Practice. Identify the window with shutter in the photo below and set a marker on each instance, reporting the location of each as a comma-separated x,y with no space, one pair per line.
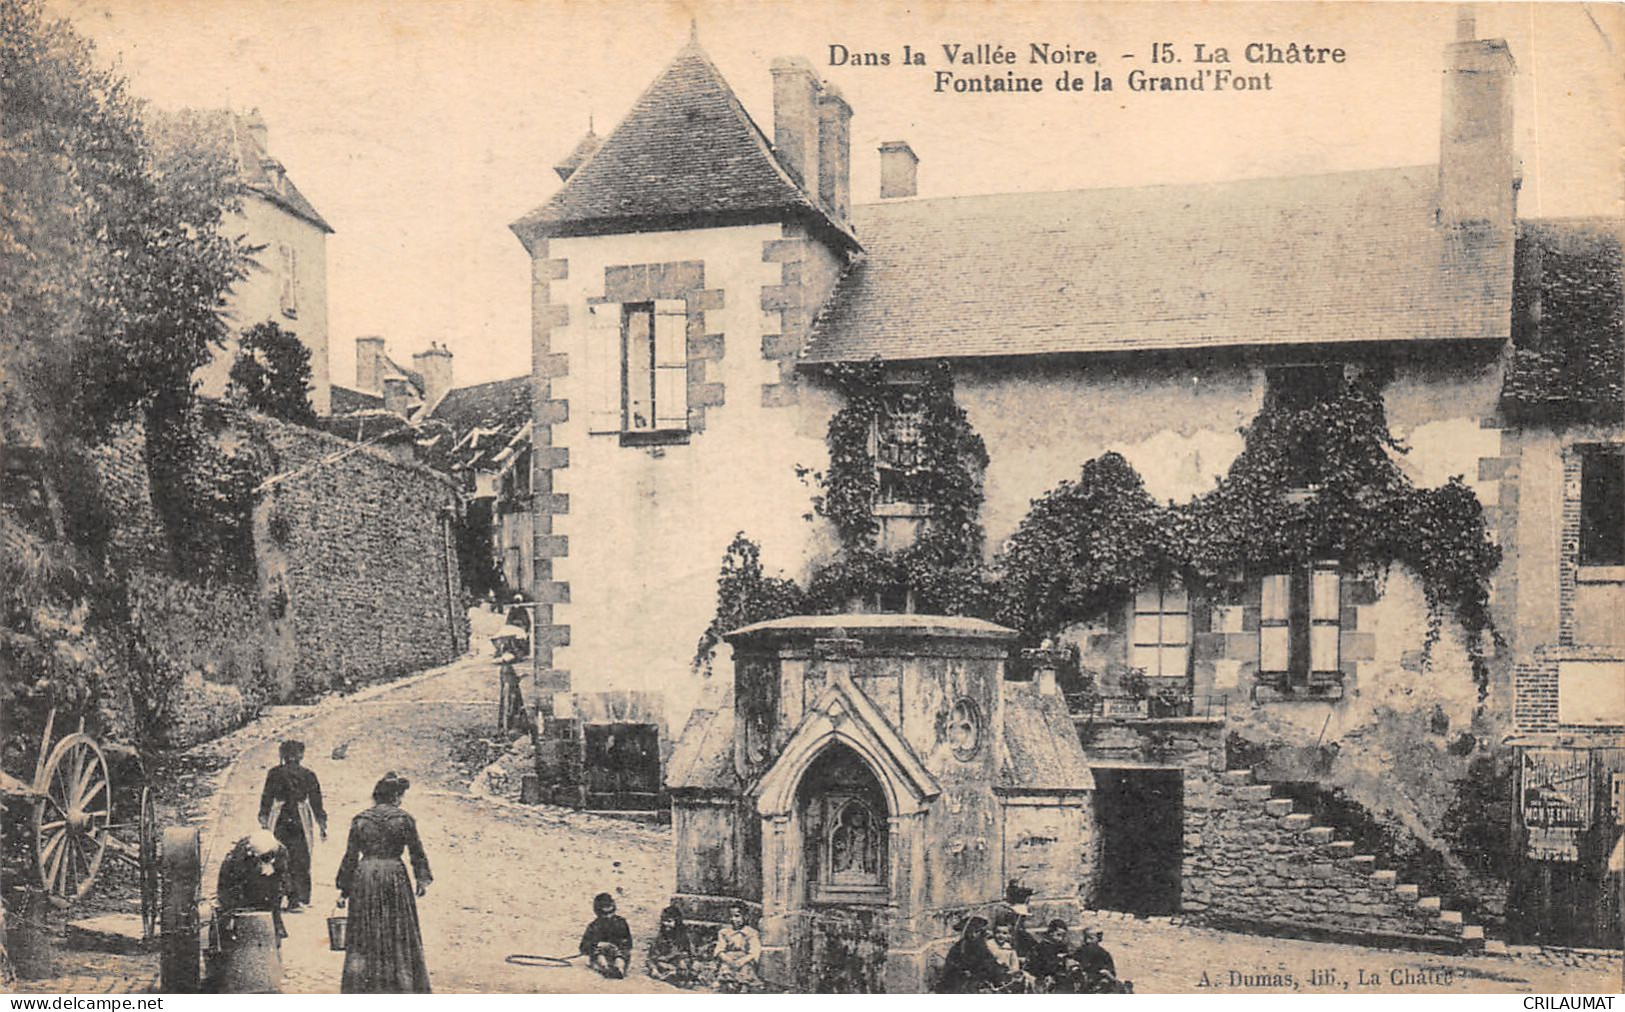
1299,622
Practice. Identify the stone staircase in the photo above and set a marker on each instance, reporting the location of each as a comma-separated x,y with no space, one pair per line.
1253,862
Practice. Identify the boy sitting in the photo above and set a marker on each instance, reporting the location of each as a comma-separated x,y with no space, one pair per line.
607,942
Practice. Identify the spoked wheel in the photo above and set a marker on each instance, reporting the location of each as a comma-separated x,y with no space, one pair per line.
149,865
71,820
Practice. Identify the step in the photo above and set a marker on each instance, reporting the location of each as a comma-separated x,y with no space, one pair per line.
1473,932
1495,947
1429,905
1385,876
1278,807
1320,834
1299,820
1451,917
1363,862
1238,778
1341,848
1256,792
1406,891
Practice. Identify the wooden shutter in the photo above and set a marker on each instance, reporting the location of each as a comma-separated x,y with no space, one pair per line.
1325,603
671,364
602,386
1273,633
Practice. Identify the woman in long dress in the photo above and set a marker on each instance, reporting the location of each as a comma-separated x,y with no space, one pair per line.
384,949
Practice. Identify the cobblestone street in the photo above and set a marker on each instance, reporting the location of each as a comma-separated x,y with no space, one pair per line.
513,879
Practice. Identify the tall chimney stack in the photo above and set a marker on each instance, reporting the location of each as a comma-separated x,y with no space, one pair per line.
835,153
795,119
369,364
434,366
1477,166
899,166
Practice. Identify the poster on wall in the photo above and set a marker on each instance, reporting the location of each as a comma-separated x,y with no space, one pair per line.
1556,785
787,373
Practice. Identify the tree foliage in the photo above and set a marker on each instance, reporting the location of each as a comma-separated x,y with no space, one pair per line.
271,374
746,595
116,268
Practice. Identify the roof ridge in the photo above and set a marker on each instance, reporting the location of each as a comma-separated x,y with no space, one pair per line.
1144,187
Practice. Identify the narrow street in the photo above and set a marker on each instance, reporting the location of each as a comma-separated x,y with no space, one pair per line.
513,879
506,880
509,879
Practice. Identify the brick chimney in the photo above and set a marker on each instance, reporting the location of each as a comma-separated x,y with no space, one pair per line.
369,364
1477,167
835,152
796,119
898,170
434,366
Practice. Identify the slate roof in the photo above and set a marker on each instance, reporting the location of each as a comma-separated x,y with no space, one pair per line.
346,400
480,422
1041,751
1351,256
687,152
253,162
703,758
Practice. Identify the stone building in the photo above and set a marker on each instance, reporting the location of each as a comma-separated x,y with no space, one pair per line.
696,280
1566,471
287,284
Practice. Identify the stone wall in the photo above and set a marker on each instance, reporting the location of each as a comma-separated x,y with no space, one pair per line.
1252,862
356,578
369,563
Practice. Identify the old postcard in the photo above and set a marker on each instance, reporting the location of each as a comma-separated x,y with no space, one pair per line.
523,496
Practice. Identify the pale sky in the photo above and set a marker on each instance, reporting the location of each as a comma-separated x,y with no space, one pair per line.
421,128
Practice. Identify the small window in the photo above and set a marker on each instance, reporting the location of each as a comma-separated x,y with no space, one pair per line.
1162,631
289,273
899,444
637,367
1602,506
1299,625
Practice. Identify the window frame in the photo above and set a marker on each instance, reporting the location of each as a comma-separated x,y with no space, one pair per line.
1611,552
1309,601
1163,645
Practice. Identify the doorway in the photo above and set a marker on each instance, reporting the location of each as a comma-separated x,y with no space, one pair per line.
623,767
1140,816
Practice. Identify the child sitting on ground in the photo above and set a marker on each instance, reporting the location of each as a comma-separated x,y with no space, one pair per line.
607,942
671,954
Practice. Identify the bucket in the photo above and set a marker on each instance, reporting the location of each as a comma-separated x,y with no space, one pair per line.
337,928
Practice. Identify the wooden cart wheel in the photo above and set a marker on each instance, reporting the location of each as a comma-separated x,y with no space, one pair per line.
71,819
181,883
149,864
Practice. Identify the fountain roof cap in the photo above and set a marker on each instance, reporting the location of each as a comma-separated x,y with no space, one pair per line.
864,626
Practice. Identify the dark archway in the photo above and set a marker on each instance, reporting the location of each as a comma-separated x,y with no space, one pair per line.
846,865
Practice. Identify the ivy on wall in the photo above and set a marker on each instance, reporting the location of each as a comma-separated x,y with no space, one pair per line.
1316,480
1568,308
203,474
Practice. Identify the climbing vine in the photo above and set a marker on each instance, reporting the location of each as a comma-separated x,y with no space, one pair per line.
1568,356
744,596
1316,480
